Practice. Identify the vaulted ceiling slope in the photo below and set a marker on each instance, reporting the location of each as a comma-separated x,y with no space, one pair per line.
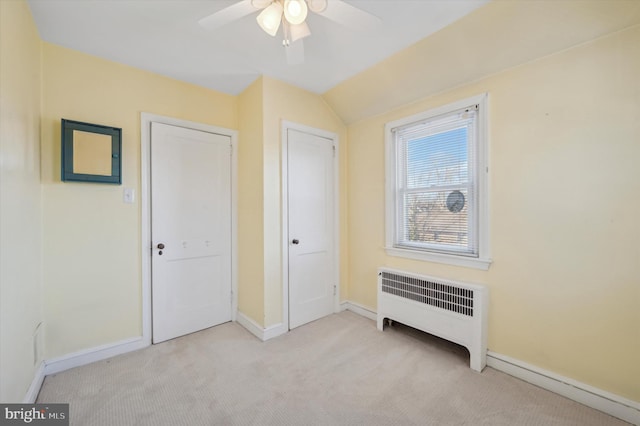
164,36
500,35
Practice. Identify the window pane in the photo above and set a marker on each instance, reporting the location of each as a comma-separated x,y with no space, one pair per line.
436,170
438,159
430,219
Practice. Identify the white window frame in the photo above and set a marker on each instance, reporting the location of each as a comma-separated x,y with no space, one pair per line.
483,261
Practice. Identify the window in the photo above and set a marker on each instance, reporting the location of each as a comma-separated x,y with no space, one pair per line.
436,185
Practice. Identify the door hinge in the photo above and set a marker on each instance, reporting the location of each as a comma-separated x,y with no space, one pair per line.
335,290
334,150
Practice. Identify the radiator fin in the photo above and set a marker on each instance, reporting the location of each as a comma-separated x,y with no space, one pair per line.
439,295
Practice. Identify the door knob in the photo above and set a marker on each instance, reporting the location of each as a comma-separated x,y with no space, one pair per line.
160,246
295,242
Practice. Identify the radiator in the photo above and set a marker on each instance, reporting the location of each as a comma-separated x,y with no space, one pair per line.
451,310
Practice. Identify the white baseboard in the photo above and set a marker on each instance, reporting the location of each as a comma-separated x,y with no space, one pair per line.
257,330
250,325
274,331
601,400
87,356
36,384
359,309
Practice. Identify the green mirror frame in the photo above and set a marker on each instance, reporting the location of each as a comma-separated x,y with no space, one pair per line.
76,167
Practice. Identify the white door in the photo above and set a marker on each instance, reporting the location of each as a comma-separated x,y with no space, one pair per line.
311,227
190,230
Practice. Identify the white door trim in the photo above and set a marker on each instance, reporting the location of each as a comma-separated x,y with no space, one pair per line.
286,125
145,203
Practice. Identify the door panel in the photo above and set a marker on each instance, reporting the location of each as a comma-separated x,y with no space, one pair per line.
311,224
191,218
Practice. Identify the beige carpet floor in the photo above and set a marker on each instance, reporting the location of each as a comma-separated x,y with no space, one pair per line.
339,370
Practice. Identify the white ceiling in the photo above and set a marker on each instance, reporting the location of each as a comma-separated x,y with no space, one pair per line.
163,36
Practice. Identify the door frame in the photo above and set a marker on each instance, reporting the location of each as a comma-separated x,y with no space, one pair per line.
286,125
145,203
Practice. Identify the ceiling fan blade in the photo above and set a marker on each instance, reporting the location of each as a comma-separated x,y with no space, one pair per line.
295,53
261,4
227,15
350,16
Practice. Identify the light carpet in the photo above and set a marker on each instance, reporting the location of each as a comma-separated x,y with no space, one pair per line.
339,370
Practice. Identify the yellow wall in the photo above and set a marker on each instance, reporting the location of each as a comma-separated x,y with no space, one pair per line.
494,37
285,102
250,204
563,155
263,107
564,184
20,206
92,239
92,262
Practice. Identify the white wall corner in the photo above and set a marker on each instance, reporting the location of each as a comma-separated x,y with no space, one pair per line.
261,333
33,391
598,399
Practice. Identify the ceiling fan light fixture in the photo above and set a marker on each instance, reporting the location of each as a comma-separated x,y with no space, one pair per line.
295,11
317,6
299,31
269,19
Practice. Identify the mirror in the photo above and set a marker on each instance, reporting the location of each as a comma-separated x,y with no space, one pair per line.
91,152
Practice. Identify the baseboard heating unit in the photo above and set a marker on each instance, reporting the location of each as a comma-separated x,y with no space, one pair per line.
448,309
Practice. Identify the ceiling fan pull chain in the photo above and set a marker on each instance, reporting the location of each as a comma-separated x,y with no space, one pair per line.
286,40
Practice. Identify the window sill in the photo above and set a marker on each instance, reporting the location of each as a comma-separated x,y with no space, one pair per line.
468,262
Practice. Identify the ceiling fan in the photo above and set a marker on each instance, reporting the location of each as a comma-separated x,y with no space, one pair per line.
291,15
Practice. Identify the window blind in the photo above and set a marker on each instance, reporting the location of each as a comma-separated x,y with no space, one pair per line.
436,183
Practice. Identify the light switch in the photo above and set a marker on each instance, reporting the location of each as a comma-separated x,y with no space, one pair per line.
129,195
